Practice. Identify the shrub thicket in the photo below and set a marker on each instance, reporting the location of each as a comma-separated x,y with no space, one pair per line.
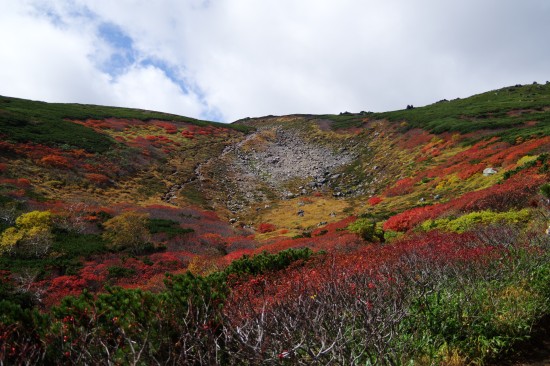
467,299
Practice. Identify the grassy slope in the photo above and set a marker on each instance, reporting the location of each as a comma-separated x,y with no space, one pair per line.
507,112
515,114
24,120
52,124
512,113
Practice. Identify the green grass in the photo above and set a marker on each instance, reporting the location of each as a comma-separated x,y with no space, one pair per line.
169,227
78,245
488,111
120,272
65,254
25,121
48,123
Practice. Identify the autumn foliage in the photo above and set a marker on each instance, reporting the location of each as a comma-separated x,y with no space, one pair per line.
266,227
513,193
420,259
127,231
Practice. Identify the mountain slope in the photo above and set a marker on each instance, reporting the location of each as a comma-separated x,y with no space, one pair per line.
455,186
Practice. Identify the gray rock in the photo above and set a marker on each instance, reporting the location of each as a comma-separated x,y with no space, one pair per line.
489,171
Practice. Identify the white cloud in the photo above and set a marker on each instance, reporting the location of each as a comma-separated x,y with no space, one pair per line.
240,58
42,61
151,87
59,61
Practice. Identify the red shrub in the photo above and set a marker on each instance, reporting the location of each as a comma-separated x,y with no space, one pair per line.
97,178
81,154
511,154
513,193
188,134
6,146
169,128
55,161
414,138
265,227
401,187
470,170
17,193
410,218
23,182
373,201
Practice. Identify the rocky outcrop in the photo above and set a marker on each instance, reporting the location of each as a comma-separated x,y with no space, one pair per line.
290,156
266,163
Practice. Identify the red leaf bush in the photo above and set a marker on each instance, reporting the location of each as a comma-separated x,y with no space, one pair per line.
56,161
401,187
373,201
97,178
265,227
512,193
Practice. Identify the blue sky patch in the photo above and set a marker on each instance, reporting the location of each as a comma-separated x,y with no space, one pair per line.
171,72
124,54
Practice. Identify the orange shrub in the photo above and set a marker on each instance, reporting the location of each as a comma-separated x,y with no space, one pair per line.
57,161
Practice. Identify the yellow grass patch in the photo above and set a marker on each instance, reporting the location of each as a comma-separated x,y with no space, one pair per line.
527,159
318,209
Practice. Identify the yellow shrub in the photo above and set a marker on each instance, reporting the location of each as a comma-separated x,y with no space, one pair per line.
469,221
31,235
128,230
526,159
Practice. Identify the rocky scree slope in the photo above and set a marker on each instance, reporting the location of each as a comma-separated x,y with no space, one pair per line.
279,161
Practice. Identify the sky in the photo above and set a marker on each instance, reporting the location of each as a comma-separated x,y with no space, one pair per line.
224,60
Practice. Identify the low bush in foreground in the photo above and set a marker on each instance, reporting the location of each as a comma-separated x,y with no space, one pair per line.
434,299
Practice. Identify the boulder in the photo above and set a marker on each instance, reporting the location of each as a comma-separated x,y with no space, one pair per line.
489,171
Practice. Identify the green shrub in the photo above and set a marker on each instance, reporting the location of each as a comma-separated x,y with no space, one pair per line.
50,123
264,262
481,319
120,272
483,111
368,229
169,227
469,221
545,190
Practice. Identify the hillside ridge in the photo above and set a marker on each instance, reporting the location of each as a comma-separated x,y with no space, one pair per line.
392,214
